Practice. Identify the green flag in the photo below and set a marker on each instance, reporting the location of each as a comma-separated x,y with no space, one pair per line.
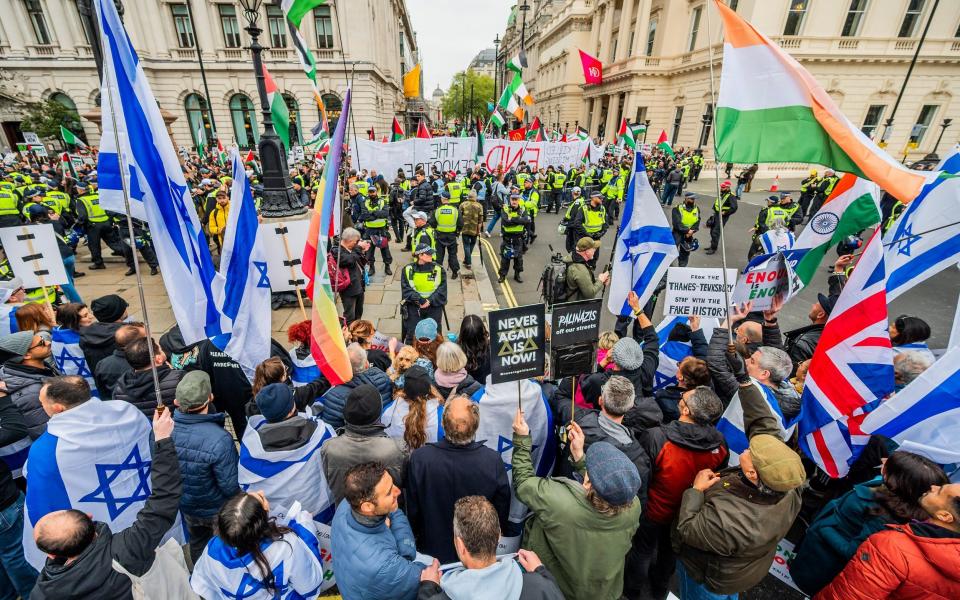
297,9
70,138
278,109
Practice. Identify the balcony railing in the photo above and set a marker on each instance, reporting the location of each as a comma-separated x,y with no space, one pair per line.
279,53
232,53
43,50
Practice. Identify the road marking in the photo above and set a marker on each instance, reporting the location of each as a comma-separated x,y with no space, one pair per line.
505,286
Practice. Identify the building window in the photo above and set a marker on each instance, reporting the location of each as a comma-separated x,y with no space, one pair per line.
923,123
198,118
230,25
39,23
677,118
910,20
333,105
244,120
324,25
633,32
795,16
851,25
706,122
651,36
73,123
277,23
296,136
613,45
872,120
733,5
694,28
181,22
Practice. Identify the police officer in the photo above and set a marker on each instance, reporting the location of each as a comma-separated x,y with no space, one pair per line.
423,288
422,232
447,222
530,198
723,208
374,219
808,187
824,189
768,215
556,198
513,229
686,223
356,199
9,207
613,191
454,188
566,227
98,226
591,220
793,216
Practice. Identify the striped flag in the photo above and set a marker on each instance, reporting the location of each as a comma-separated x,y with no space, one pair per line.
422,131
326,342
535,130
582,134
518,62
278,109
222,155
297,9
310,70
625,136
70,139
672,352
508,99
663,144
496,119
851,368
771,109
201,139
731,424
397,132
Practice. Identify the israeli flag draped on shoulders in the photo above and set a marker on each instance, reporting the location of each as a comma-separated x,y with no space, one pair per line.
147,164
287,476
241,288
299,563
396,411
925,239
732,427
644,246
672,352
65,349
304,370
95,458
8,320
776,240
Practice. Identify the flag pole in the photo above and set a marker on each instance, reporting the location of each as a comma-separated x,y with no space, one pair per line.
716,172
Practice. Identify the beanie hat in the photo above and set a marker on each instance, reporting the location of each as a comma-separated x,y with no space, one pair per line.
108,309
426,330
275,402
193,391
363,406
779,467
627,354
17,344
613,476
416,382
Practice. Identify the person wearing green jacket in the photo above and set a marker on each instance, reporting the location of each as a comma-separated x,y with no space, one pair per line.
580,531
582,284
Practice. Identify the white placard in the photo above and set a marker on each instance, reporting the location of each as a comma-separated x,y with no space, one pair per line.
759,284
699,292
32,138
781,563
509,154
34,255
278,263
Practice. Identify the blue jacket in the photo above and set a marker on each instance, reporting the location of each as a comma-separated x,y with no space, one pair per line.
208,462
336,397
374,562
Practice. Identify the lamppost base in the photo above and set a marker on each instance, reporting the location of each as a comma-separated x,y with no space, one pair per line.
279,199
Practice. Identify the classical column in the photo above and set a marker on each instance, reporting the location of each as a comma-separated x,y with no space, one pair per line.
643,22
613,119
606,32
594,116
623,38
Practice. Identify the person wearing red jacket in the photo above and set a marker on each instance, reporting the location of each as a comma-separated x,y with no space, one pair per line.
677,452
913,561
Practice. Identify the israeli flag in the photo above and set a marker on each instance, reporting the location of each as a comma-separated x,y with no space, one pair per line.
15,455
8,320
925,239
732,428
94,458
146,162
672,352
397,410
776,240
304,370
924,417
242,289
287,476
66,352
644,246
300,562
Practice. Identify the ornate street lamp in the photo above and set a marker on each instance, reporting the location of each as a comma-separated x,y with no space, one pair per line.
943,127
278,197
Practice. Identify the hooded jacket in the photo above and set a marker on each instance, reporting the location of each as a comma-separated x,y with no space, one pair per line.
360,444
336,397
802,342
208,462
136,387
23,387
581,283
97,343
503,580
421,197
917,561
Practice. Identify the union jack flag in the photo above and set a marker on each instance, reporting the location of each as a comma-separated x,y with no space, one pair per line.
851,369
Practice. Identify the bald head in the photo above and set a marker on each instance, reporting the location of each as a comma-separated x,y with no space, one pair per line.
749,332
461,417
126,334
64,533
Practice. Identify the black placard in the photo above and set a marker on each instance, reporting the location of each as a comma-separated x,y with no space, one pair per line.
575,322
517,343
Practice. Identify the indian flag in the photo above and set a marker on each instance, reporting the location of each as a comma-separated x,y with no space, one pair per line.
297,9
663,144
496,119
70,138
625,135
771,109
397,133
278,109
852,207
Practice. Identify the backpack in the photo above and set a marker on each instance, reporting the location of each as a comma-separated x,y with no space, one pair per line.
553,283
339,276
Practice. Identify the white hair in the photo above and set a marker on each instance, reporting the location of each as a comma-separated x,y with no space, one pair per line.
909,364
357,356
618,395
349,233
776,361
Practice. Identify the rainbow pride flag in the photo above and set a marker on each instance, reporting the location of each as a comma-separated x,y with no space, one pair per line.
326,340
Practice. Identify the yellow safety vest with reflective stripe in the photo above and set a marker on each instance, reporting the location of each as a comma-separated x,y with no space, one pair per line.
425,282
576,204
8,203
833,182
723,202
512,213
57,200
594,218
790,211
558,181
91,203
7,186
521,179
806,183
531,201
774,213
429,232
455,188
607,176
36,295
405,185
377,205
895,213
362,187
446,217
689,218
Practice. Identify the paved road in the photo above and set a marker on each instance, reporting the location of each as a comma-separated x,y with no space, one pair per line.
934,300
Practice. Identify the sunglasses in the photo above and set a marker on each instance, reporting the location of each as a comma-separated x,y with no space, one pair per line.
43,342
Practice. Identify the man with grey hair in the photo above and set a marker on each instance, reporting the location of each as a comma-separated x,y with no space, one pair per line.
908,365
350,255
442,472
771,368
334,400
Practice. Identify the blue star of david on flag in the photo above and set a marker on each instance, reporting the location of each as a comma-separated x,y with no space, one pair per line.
78,361
250,586
108,473
907,239
504,444
264,281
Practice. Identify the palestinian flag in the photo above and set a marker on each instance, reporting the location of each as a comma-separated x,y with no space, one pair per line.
585,159
496,119
535,130
397,133
278,110
297,9
222,155
518,62
625,135
70,138
480,152
67,165
201,140
310,70
582,134
663,144
422,131
638,130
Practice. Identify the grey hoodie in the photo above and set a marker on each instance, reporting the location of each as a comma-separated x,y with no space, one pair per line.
503,580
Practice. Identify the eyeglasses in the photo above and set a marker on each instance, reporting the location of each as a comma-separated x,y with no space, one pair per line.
43,342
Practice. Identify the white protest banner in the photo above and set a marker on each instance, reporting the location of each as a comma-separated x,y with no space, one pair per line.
697,292
444,153
781,563
33,254
283,269
510,154
761,283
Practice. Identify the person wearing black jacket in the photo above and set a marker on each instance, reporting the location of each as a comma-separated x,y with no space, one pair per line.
692,371
349,255
96,339
14,568
137,386
421,200
110,369
81,552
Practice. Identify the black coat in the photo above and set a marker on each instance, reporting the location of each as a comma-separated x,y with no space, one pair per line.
13,428
136,387
352,261
97,343
421,198
109,371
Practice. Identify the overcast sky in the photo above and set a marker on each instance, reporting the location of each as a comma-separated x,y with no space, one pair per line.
451,32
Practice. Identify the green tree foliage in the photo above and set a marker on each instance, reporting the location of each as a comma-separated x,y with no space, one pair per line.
482,93
45,118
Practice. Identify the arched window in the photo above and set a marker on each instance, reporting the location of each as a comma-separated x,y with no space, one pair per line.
198,119
97,100
333,105
244,120
296,134
72,119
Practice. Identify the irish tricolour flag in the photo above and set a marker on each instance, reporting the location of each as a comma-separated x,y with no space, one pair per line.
771,109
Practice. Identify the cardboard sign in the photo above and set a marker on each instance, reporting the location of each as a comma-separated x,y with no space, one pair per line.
698,292
781,563
575,322
762,283
517,343
31,138
33,254
285,271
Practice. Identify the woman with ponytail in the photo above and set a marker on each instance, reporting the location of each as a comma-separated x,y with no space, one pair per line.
416,411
